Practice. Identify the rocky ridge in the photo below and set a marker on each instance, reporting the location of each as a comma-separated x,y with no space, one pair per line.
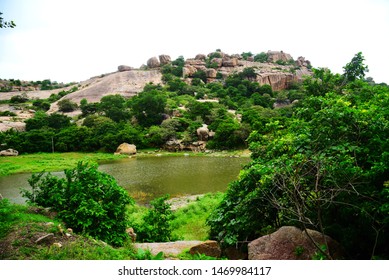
279,71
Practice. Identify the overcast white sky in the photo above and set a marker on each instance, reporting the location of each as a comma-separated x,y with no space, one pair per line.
72,40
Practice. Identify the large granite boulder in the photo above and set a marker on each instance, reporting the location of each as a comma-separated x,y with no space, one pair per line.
9,152
291,243
164,59
153,62
122,68
126,149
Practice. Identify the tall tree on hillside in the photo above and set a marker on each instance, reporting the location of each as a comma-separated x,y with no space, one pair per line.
355,69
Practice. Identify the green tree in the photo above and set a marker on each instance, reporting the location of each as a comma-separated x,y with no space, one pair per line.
114,107
324,169
156,226
65,105
148,107
261,57
87,200
355,69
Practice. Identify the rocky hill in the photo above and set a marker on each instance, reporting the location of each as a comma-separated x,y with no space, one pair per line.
274,68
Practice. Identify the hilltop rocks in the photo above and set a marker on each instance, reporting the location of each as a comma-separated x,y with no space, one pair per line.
122,68
164,59
230,62
200,57
153,62
290,243
274,73
274,56
126,149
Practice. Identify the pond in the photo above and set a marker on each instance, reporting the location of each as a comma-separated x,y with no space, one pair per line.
148,177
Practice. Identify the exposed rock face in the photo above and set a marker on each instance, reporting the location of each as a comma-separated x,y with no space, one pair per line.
8,124
122,68
230,62
164,59
200,57
217,61
188,70
277,81
203,132
177,145
209,248
9,152
153,62
290,243
126,149
279,77
211,73
127,84
274,56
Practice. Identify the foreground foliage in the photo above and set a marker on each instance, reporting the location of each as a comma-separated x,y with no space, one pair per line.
87,200
325,168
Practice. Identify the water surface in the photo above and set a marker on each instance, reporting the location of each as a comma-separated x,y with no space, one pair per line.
150,177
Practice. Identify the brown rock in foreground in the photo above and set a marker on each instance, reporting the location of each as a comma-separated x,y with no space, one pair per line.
291,243
209,248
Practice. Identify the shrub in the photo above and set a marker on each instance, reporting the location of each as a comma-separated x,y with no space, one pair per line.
87,200
66,105
156,225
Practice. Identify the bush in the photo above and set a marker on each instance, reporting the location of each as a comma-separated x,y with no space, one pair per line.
87,200
156,225
66,105
19,99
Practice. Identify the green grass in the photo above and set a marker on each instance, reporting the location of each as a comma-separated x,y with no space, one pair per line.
31,163
21,225
189,221
49,161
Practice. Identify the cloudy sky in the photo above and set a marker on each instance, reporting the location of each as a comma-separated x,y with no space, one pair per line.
72,40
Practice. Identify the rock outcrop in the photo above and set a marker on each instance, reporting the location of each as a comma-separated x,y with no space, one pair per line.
122,68
274,56
291,243
126,149
127,84
9,153
153,62
164,59
279,71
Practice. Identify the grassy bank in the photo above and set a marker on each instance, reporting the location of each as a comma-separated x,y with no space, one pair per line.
49,161
21,226
60,161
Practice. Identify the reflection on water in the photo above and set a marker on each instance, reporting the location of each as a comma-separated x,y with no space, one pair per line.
146,178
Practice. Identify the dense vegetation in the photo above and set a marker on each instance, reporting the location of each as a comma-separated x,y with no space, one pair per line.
320,163
325,168
161,113
87,200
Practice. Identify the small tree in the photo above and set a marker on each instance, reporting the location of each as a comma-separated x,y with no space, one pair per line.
87,200
355,69
156,226
65,105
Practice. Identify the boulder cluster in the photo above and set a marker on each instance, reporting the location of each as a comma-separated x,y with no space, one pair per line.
279,71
